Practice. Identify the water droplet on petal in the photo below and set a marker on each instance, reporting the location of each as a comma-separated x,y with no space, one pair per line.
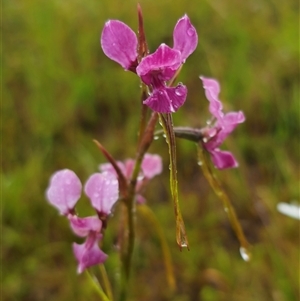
178,92
191,32
245,254
172,109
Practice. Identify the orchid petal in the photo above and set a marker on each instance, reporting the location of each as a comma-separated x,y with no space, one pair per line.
82,226
232,119
119,43
185,37
64,190
223,159
212,90
103,191
151,165
89,253
164,61
167,100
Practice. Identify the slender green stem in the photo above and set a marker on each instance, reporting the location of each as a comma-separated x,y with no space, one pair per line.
130,204
97,286
106,282
216,186
151,217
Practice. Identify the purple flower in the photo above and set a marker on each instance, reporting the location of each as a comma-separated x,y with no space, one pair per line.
224,124
151,166
89,253
64,190
103,191
119,43
83,226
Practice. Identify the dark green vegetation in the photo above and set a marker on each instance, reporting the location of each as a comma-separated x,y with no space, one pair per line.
60,92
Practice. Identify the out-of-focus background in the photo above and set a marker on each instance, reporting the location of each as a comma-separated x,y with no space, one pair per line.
60,92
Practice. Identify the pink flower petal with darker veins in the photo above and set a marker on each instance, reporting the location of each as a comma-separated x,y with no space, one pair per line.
167,100
163,63
64,190
103,191
185,37
119,43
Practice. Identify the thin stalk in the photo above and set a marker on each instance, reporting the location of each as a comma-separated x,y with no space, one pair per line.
151,217
97,286
130,204
106,282
216,186
167,124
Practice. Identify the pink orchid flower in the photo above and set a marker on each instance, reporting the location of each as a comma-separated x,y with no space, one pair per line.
119,43
224,124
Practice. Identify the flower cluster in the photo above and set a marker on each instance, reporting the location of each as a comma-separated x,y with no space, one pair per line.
102,189
220,127
120,44
63,193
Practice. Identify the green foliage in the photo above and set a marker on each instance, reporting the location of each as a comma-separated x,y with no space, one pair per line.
60,92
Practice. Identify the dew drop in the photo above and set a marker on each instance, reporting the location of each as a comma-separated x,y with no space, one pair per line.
178,92
208,122
183,245
200,163
191,32
205,140
172,109
245,254
156,137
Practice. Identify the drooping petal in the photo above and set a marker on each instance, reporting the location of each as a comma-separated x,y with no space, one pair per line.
162,64
212,90
167,100
103,191
223,159
231,120
185,37
151,165
119,43
64,190
88,253
82,226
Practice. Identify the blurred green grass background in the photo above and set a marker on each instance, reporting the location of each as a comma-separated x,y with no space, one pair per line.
60,92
